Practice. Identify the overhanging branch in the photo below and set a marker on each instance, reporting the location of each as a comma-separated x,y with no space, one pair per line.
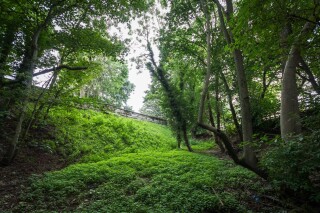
60,67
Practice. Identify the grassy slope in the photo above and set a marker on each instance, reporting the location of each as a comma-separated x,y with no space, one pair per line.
92,136
131,166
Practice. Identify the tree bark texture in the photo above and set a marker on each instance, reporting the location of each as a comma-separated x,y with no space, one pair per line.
208,68
290,123
289,117
246,119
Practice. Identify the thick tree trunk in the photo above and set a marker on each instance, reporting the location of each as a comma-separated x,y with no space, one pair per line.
290,123
25,77
289,117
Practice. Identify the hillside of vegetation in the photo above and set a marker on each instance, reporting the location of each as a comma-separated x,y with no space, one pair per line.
118,164
242,74
90,136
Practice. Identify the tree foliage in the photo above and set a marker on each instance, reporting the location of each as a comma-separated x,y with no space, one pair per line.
247,71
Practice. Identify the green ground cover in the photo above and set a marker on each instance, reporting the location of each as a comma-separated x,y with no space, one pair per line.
124,165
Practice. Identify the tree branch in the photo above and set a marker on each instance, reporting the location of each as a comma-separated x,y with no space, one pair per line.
304,66
58,68
305,19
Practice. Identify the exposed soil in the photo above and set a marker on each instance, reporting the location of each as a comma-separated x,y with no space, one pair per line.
216,152
14,178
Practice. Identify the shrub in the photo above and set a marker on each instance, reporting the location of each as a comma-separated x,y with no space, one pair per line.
296,165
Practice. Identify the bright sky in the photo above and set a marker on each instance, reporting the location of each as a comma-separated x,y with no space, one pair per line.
139,76
141,79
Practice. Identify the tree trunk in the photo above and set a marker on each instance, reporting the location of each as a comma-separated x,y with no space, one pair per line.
233,111
246,122
289,117
175,107
232,153
290,123
24,77
36,110
217,100
12,149
246,119
185,136
216,137
218,111
208,68
179,139
311,77
6,47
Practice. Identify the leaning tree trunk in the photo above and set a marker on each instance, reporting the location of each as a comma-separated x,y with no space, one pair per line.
208,68
175,107
36,110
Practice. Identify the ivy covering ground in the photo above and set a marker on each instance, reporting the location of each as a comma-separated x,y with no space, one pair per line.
126,165
91,136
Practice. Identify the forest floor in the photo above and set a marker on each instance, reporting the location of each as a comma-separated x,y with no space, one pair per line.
15,177
33,161
114,164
